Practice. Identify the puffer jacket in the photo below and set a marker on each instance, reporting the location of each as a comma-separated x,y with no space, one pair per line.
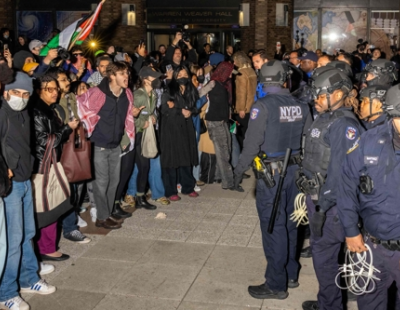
45,122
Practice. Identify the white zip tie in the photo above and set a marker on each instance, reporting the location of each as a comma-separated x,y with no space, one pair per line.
358,274
299,214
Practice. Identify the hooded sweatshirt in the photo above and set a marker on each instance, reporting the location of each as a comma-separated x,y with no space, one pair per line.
15,140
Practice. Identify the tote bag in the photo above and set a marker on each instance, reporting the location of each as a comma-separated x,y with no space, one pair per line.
149,142
50,185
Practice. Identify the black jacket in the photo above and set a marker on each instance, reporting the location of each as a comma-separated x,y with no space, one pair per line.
218,109
45,122
15,133
191,58
110,128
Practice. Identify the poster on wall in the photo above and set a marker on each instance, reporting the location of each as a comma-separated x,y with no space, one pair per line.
35,24
384,30
341,28
66,18
305,26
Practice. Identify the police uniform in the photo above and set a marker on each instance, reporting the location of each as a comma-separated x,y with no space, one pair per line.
327,141
276,123
375,157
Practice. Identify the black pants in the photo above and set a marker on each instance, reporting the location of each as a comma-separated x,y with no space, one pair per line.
170,180
143,165
127,165
241,130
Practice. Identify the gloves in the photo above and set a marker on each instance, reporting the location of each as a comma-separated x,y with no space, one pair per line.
236,184
317,222
206,89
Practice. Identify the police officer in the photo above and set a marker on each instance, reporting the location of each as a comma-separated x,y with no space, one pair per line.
276,123
332,133
379,72
370,188
371,107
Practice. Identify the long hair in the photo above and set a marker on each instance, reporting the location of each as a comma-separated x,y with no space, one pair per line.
351,101
190,95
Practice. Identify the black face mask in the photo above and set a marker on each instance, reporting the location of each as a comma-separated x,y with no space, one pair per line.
156,84
182,81
201,79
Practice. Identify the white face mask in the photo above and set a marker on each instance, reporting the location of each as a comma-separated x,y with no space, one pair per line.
17,103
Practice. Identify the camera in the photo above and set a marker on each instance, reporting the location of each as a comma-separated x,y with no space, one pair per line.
62,53
186,37
366,184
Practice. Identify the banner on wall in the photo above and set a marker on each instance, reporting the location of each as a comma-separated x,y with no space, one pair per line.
35,24
305,25
342,28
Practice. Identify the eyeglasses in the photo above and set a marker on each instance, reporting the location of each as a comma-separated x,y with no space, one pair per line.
77,54
19,94
51,89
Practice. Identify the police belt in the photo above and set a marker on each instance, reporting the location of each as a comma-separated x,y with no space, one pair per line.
392,245
277,165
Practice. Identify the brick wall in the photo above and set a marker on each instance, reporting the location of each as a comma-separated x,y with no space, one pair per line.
111,30
7,13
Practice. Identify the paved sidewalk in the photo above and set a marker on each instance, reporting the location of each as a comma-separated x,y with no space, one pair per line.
202,256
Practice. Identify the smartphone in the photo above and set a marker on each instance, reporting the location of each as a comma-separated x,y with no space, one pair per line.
5,47
168,67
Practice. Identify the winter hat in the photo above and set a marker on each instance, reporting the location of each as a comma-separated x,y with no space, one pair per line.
20,57
216,58
22,81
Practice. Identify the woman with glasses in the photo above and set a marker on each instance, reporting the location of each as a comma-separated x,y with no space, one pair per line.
78,65
46,122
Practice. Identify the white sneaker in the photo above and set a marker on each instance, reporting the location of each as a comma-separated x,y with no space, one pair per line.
81,222
41,287
16,303
45,269
93,214
179,188
197,189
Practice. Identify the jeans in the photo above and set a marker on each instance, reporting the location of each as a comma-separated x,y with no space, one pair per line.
3,238
21,263
107,169
221,137
69,222
155,180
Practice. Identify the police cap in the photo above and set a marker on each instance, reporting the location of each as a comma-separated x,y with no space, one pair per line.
275,71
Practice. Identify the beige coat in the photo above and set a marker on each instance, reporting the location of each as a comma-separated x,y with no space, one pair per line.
246,85
205,143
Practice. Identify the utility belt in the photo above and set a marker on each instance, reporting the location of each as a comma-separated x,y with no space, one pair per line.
310,186
266,169
391,245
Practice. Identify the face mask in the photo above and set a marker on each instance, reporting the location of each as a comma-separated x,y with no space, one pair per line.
17,103
156,84
201,79
182,81
6,36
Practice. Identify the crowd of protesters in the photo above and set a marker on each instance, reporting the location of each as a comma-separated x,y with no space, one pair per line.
161,124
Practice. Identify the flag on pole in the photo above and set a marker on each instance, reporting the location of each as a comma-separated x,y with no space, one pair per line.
75,33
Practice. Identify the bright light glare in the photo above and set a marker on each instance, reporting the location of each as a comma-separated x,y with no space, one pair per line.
332,36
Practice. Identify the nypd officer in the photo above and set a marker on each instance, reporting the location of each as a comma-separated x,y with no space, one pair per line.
370,189
334,131
276,123
379,72
371,107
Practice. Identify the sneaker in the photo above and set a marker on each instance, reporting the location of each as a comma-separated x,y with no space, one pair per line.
174,198
93,214
179,188
200,183
81,222
193,195
163,200
41,287
45,268
16,303
197,189
77,236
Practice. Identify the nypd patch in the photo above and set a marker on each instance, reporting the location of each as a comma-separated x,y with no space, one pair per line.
351,133
254,113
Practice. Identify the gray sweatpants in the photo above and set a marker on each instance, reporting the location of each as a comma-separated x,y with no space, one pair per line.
107,166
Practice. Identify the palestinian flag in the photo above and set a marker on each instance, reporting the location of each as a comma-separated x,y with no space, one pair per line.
75,33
